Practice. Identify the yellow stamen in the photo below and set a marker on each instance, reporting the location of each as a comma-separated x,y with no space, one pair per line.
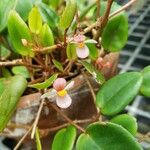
81,45
62,93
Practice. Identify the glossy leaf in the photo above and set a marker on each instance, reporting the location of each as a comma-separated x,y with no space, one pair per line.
5,7
38,142
58,65
18,30
35,20
71,51
117,27
96,74
21,70
46,36
68,14
126,121
48,15
44,84
118,92
145,88
10,97
106,136
64,139
23,7
93,51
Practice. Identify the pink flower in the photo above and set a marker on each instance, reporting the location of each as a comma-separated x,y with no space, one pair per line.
63,100
81,49
102,64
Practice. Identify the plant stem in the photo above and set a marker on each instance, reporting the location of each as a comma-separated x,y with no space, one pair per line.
103,21
23,138
65,117
37,118
122,8
12,63
98,8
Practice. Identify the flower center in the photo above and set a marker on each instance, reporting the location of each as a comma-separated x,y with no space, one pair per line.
81,45
62,93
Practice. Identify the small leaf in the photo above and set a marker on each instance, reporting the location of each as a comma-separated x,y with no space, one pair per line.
126,121
96,74
35,20
64,139
55,3
68,14
145,88
93,51
58,65
117,27
6,73
118,92
23,8
9,98
107,136
44,84
71,51
5,53
21,70
5,7
48,15
38,142
46,36
18,30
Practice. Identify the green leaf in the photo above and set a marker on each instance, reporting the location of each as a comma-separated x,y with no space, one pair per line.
68,14
9,98
58,65
55,3
126,121
44,84
93,51
5,7
117,27
118,92
2,85
5,72
23,8
48,15
35,20
21,70
5,53
106,136
46,36
145,88
38,142
64,139
92,70
18,30
71,51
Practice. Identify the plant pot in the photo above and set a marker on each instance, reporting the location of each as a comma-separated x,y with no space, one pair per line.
82,107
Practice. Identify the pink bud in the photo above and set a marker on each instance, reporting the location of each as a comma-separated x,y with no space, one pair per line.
59,84
79,38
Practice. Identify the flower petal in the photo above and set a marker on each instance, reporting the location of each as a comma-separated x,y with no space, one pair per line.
70,85
59,84
82,52
90,41
64,102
